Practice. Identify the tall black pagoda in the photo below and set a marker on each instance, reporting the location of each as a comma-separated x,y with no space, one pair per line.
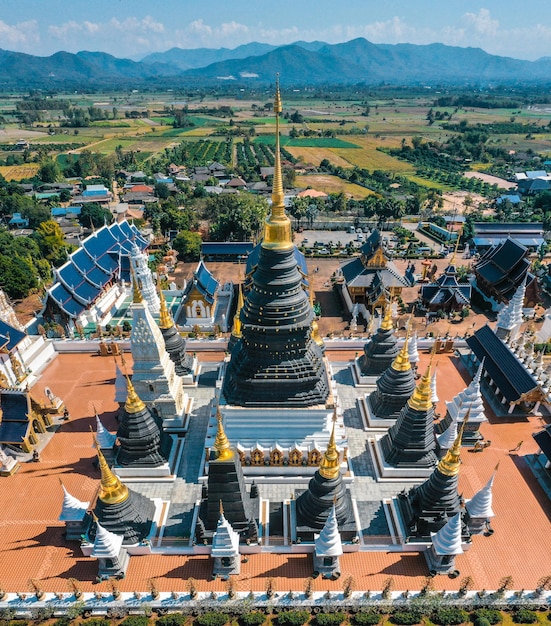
139,434
276,362
381,350
427,508
411,442
394,387
174,342
121,510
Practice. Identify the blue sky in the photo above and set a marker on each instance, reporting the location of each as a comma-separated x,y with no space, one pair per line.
134,28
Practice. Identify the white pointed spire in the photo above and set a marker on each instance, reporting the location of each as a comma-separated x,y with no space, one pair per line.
72,510
446,439
447,541
469,399
413,353
509,319
143,275
105,439
225,541
328,542
480,505
433,392
107,545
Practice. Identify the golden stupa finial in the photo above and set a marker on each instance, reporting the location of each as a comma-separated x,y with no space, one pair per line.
277,232
221,443
133,402
165,320
136,291
221,507
112,491
387,324
401,363
459,233
421,398
236,330
330,462
449,465
315,328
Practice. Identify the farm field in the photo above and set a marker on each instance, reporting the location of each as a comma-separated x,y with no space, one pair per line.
315,156
333,184
18,172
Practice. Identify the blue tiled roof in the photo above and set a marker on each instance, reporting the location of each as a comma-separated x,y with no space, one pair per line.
11,336
205,279
13,432
15,406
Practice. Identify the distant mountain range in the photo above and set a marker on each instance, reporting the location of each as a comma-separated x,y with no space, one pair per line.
301,63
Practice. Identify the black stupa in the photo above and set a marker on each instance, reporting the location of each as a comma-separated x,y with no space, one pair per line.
174,342
325,489
411,442
427,508
139,434
276,362
394,387
381,350
121,510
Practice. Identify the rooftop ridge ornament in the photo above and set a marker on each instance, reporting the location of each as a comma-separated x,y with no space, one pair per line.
277,233
221,443
112,490
133,402
450,463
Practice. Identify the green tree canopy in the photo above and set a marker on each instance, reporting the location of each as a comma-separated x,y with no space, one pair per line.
51,242
188,245
236,217
93,213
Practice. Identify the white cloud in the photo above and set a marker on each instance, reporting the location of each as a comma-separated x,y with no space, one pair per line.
20,37
482,23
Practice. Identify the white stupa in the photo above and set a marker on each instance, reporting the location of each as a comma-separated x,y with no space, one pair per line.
509,319
413,353
328,547
480,505
74,514
105,439
225,548
446,439
447,541
142,273
433,392
107,545
470,399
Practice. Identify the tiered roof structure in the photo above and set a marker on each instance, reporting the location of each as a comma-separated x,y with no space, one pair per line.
276,362
175,344
144,277
509,319
381,349
446,293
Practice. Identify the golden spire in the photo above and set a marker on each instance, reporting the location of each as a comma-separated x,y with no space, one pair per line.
315,328
449,465
112,491
133,403
236,330
165,320
401,362
137,294
221,443
277,234
421,397
330,463
387,324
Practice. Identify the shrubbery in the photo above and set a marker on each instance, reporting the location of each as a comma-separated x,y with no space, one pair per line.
480,621
135,620
292,618
366,618
97,621
211,619
525,616
173,619
252,619
449,616
406,618
329,619
492,615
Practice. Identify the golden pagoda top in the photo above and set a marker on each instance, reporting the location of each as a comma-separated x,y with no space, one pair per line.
449,464
277,232
330,463
112,491
401,362
136,292
222,443
133,402
387,324
315,328
165,319
421,397
236,330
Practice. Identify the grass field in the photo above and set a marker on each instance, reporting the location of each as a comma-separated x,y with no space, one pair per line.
18,172
372,159
333,184
315,156
307,142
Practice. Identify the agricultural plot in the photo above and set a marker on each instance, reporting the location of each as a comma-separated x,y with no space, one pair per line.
372,159
315,156
18,172
203,152
307,142
333,184
251,155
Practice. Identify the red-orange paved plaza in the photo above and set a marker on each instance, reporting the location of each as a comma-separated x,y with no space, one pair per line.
32,545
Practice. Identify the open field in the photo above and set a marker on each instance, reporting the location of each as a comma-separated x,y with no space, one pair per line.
18,172
315,156
333,184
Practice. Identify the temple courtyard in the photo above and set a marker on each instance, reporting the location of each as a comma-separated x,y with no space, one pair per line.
32,543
